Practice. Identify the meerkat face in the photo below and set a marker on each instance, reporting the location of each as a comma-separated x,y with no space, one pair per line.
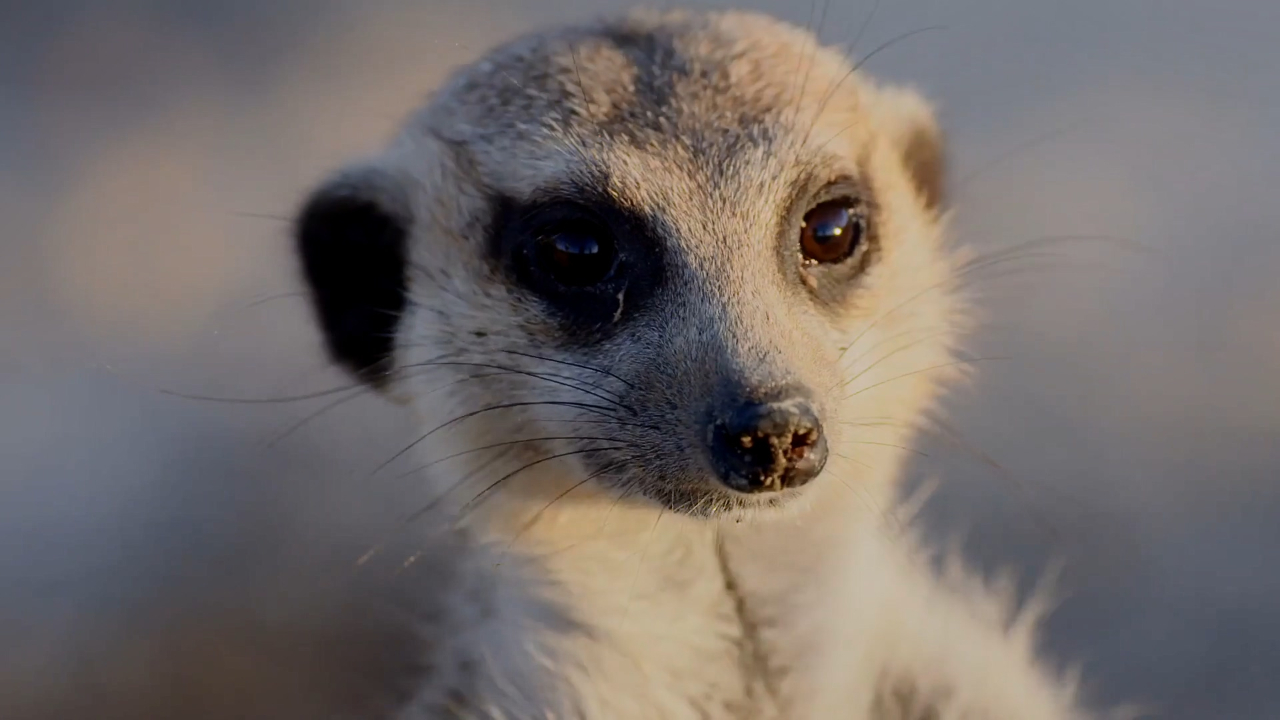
688,254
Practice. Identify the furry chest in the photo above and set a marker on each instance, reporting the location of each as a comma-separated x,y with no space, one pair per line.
676,637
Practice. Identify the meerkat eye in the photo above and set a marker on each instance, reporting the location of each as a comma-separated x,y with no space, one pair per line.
832,231
577,254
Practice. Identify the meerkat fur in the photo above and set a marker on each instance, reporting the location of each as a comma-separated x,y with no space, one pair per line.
596,569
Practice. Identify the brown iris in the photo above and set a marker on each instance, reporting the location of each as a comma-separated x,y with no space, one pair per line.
832,231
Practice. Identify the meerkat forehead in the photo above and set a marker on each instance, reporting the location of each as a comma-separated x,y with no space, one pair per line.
724,97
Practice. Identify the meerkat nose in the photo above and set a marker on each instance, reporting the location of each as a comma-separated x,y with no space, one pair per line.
768,447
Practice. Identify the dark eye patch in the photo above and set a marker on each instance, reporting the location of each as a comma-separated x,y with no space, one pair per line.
575,253
591,262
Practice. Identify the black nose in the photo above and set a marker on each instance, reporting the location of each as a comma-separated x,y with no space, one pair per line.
767,447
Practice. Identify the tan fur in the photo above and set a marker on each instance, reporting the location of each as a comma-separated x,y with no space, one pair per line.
669,599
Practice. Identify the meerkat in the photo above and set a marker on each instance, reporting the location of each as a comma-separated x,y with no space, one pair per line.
669,293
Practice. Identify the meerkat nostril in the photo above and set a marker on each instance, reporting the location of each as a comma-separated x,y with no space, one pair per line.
766,447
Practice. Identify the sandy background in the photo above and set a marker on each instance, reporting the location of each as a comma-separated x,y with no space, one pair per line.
160,554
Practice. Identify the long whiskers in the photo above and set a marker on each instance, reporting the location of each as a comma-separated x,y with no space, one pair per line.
589,368
361,392
404,371
420,512
603,410
517,371
470,505
579,421
299,424
938,428
893,41
862,497
932,368
491,446
538,515
580,366
982,262
286,398
952,435
812,59
262,401
914,343
853,70
622,494
891,445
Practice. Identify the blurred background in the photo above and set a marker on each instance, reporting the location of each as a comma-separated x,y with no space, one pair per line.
167,557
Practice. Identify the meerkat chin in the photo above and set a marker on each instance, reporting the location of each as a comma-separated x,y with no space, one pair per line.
669,293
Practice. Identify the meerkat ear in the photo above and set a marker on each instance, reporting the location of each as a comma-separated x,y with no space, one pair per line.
351,235
914,130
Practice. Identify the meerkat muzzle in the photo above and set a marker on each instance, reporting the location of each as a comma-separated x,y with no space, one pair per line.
768,447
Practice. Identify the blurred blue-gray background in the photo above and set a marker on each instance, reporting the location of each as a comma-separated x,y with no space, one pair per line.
150,153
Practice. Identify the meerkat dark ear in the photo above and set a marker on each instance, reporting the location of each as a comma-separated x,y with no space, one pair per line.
351,235
915,131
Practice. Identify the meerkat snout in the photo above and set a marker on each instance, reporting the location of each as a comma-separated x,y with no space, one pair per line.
767,447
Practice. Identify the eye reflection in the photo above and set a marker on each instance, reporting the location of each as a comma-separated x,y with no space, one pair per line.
576,255
831,231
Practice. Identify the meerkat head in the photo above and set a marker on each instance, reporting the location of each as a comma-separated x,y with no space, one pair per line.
692,255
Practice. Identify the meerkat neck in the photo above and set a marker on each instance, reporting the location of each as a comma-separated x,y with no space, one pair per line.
616,554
